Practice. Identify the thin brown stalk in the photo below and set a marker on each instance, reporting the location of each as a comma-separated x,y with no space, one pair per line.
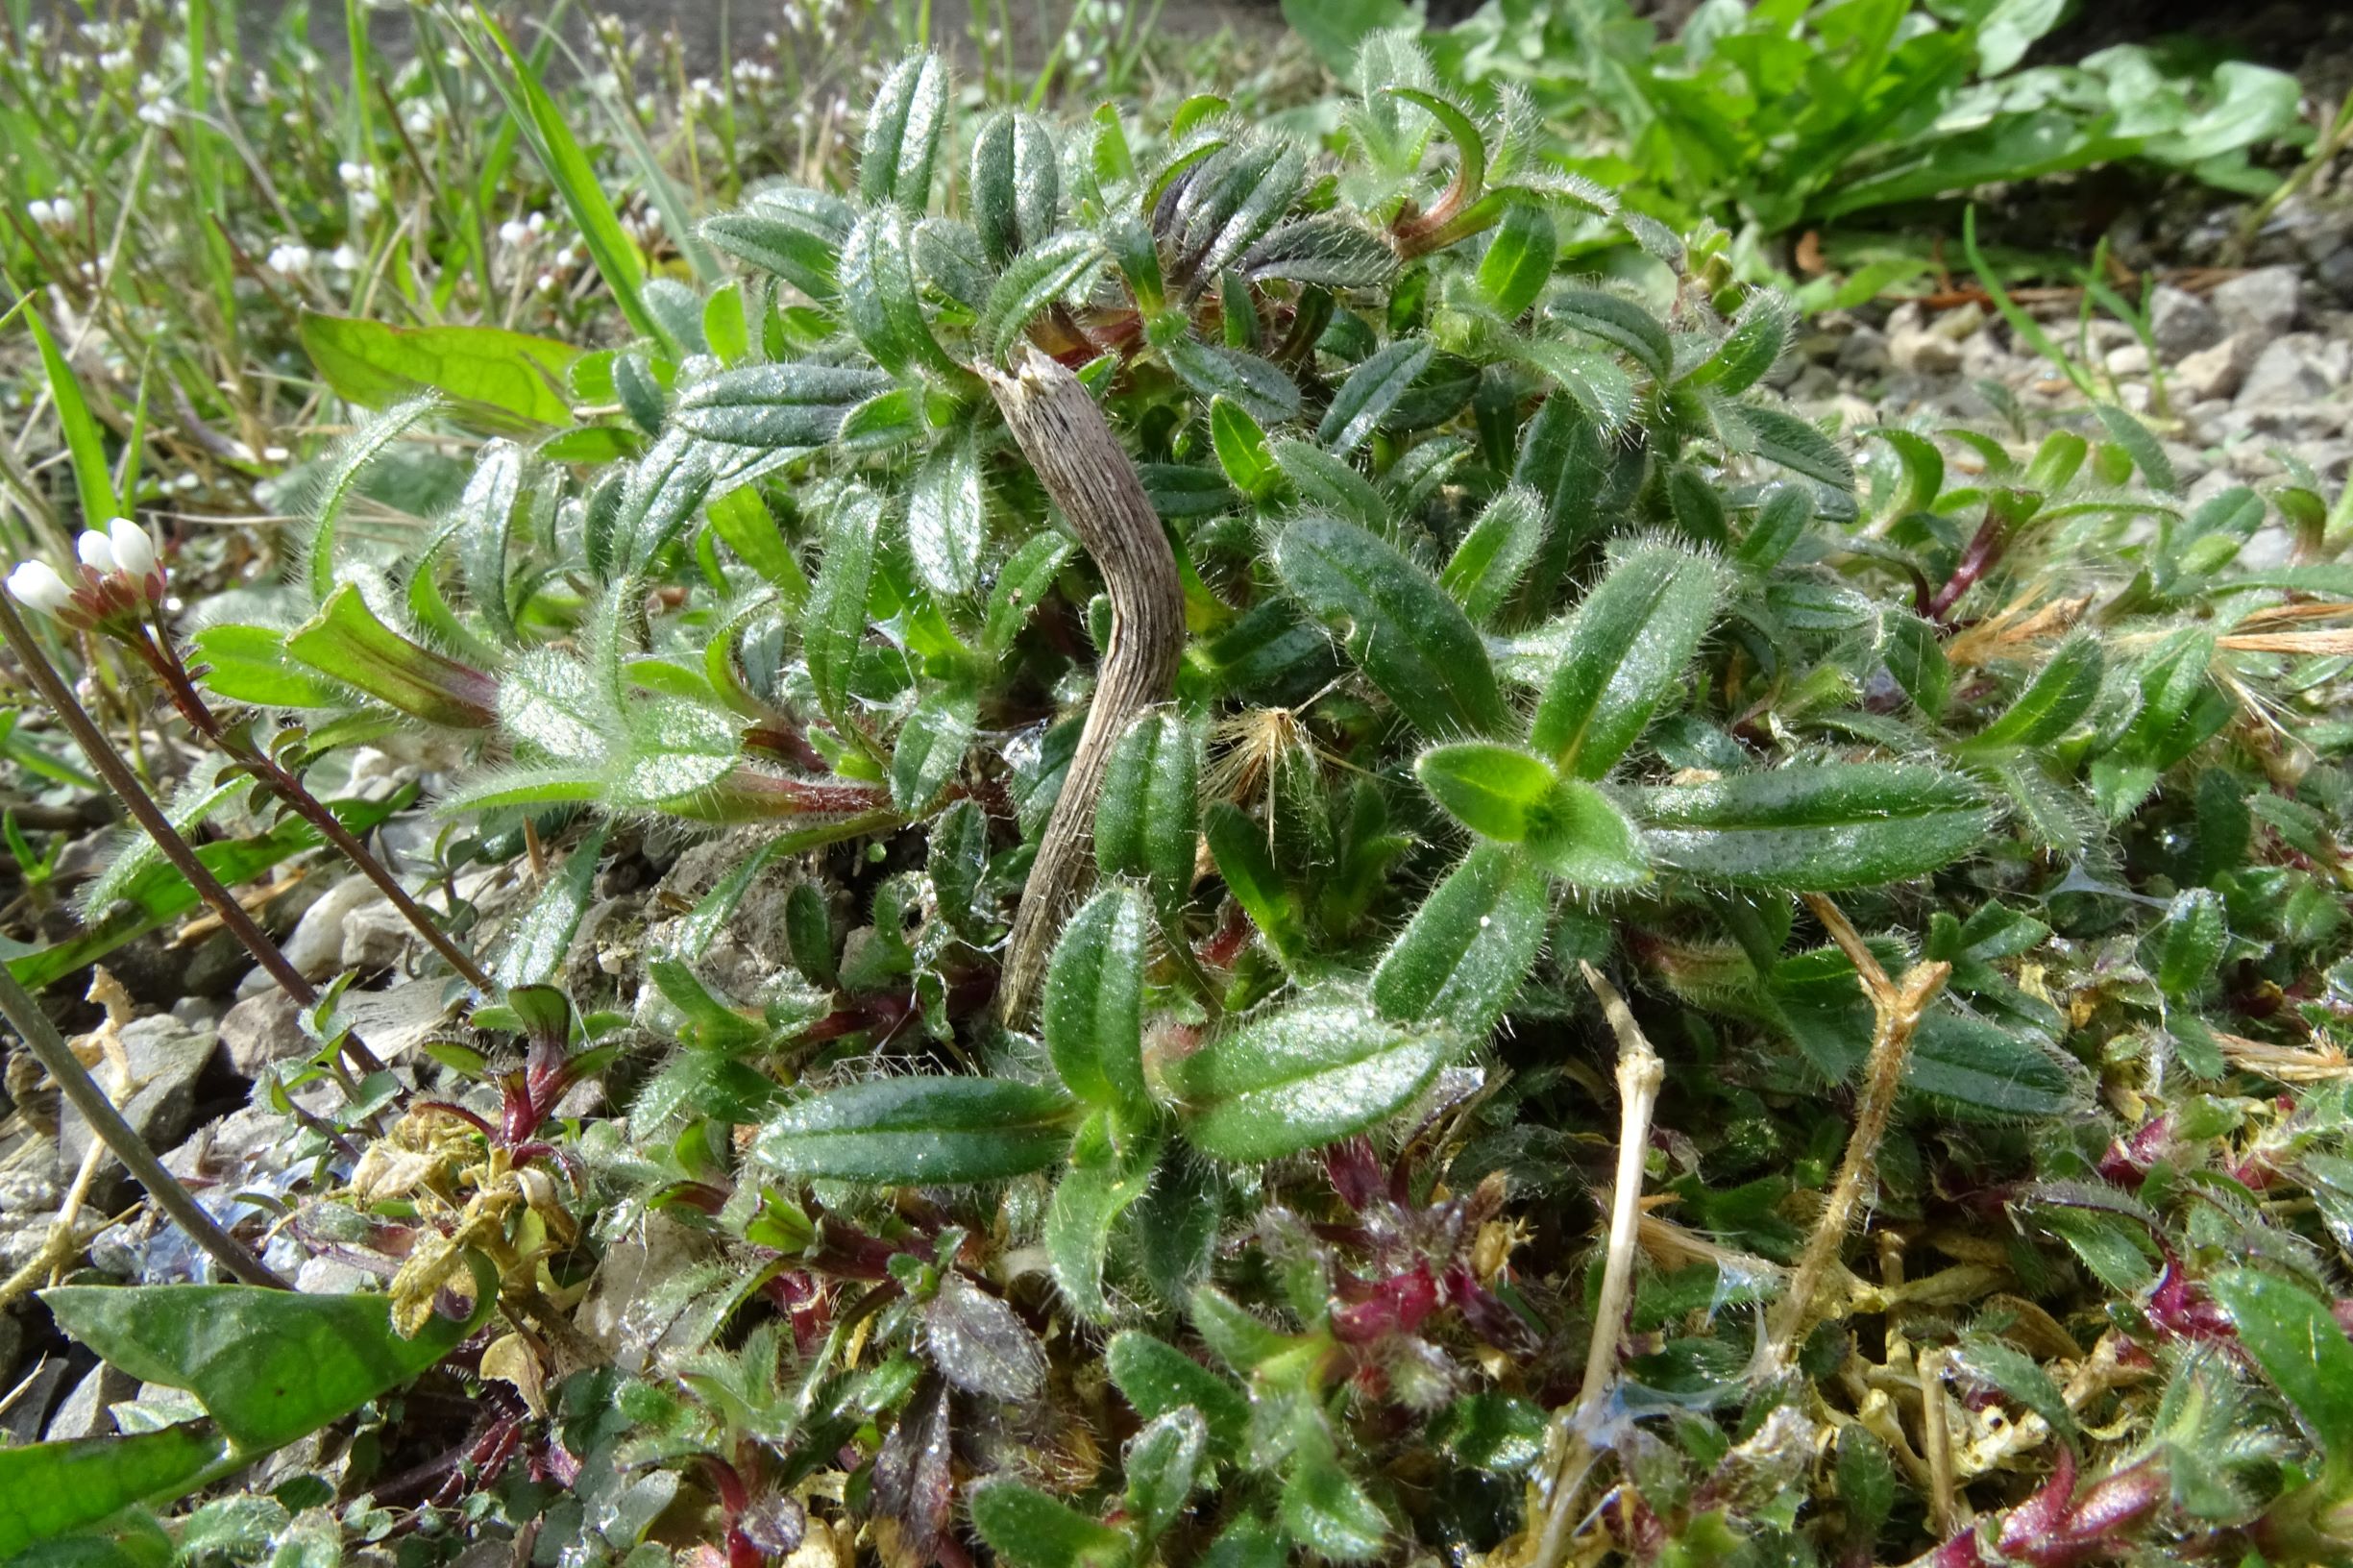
116,774
1898,1007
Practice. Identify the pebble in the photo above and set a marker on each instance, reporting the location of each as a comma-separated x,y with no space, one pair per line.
2216,373
2264,302
166,1057
316,947
263,1029
2285,374
2181,323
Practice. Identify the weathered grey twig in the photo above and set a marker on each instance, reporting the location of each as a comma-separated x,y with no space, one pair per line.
49,1048
1640,1073
1070,443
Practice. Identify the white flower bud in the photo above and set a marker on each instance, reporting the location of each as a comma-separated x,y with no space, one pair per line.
135,552
95,551
36,586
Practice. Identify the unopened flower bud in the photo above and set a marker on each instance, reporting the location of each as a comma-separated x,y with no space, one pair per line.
36,586
95,551
135,552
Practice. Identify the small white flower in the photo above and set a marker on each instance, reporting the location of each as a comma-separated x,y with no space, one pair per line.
346,258
514,236
274,455
36,586
156,111
289,257
365,204
95,551
354,173
135,551
546,282
186,481
537,223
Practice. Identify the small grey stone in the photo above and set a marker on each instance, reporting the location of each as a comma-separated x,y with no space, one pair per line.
2268,550
2264,302
2284,374
166,1057
621,1313
2216,372
86,1411
2132,359
1810,385
1864,353
316,947
2335,273
375,936
226,1144
1960,323
332,1277
28,1402
1924,352
2182,323
263,1029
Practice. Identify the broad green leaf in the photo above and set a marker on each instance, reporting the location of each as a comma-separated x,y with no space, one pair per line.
1627,647
1371,390
1797,445
2296,1339
1032,282
788,405
1147,814
346,640
1159,1379
1562,459
1015,184
746,526
1336,29
267,1366
1462,957
1759,336
1519,259
1029,1530
947,519
1331,484
2061,693
1092,1009
1621,324
1238,846
833,625
879,297
1915,655
1215,372
1241,448
1410,639
931,745
534,953
1306,1076
1814,826
84,443
376,364
1566,826
1163,1466
1495,552
249,664
1102,1182
902,133
2184,953
1323,1507
796,233
922,1131
50,1490
1026,578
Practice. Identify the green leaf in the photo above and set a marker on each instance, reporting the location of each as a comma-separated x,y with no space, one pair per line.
833,625
931,745
1215,372
1797,445
2297,1342
1147,813
1158,1380
796,233
2061,693
1243,452
1371,390
1238,846
1519,259
1323,1507
249,664
2146,451
922,1131
879,297
1495,552
50,1490
902,133
534,954
1030,1529
1815,827
376,364
1627,646
267,1366
1621,324
946,518
1026,578
1410,639
1462,957
790,406
1309,1076
1758,339
1336,29
1032,282
1163,1466
1568,826
2184,953
1015,185
1103,1181
1092,1013
85,442
348,642
1915,655
1331,484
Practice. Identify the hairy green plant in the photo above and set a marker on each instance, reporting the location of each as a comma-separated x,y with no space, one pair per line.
1368,627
